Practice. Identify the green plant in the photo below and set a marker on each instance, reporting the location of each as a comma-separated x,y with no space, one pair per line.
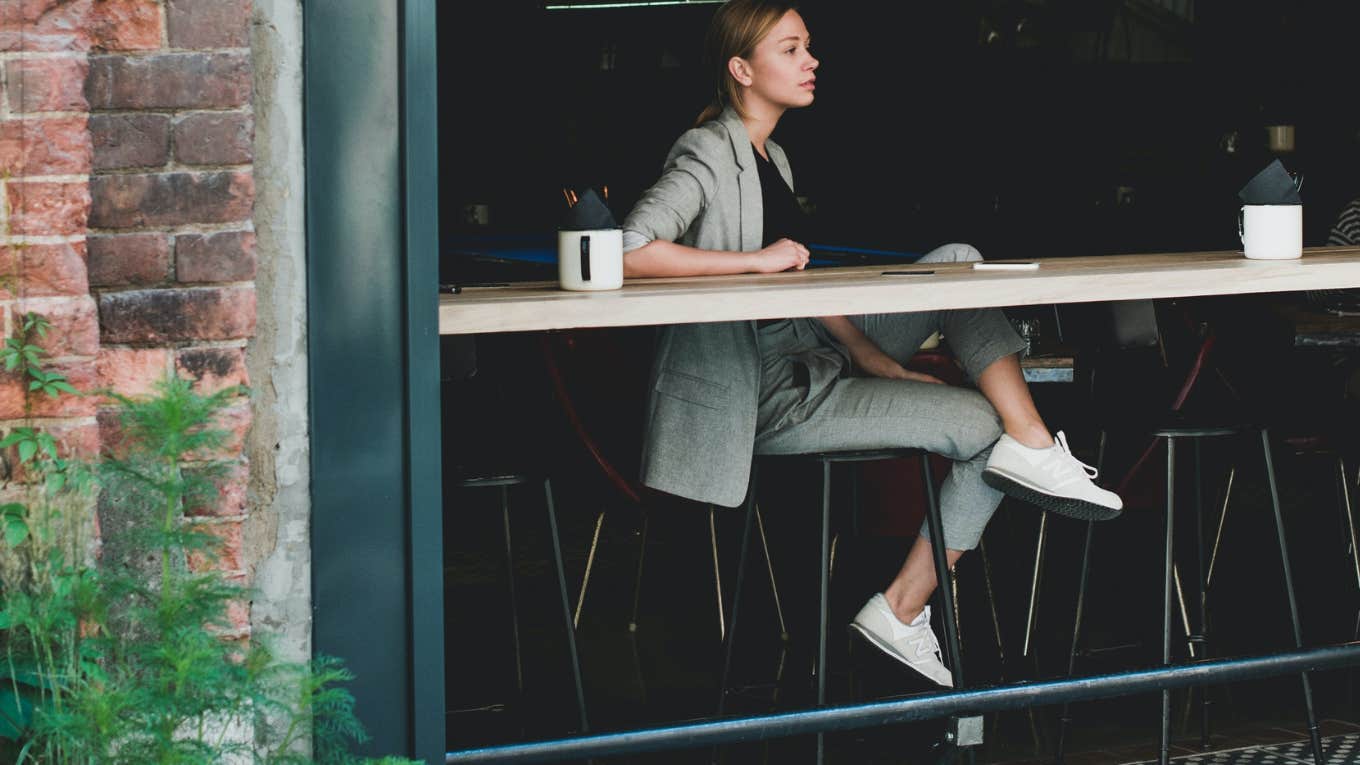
125,661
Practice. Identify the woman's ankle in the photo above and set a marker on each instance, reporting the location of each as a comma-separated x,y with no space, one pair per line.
906,610
1035,436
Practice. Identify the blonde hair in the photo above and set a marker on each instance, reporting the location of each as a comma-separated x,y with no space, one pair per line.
736,29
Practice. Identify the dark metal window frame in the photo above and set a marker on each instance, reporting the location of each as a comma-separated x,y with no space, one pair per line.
373,346
371,113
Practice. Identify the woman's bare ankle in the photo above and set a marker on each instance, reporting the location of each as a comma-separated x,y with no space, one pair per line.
1033,436
906,610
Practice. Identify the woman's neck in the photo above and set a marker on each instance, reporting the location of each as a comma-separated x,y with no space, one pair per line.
760,121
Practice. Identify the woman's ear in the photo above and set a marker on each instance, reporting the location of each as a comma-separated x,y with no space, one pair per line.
740,70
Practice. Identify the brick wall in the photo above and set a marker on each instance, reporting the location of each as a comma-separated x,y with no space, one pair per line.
126,176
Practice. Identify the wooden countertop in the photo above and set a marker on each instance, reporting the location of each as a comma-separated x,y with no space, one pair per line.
865,289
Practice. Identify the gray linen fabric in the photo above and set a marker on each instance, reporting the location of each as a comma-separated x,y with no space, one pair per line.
808,403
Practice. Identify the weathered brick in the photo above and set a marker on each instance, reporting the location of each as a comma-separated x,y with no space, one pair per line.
125,24
238,615
169,81
158,316
110,426
213,369
45,146
79,373
224,257
13,388
47,85
42,270
130,140
208,23
126,260
43,208
227,555
75,440
238,611
235,420
75,325
214,138
44,25
229,499
170,199
132,371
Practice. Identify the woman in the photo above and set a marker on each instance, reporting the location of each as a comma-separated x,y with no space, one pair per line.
721,392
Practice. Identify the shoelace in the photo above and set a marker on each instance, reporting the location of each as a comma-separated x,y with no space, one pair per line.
934,644
930,641
1061,440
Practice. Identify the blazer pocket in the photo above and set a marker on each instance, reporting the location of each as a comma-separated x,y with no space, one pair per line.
691,389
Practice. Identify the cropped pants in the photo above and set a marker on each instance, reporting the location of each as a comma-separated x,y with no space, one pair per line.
808,401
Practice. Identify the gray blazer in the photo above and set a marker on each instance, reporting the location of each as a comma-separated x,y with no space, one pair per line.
705,383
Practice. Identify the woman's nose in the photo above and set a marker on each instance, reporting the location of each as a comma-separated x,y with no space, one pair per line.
812,63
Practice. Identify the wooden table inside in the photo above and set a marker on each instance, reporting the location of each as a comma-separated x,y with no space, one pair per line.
866,289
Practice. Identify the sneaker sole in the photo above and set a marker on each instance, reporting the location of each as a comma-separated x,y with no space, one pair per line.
892,653
1080,509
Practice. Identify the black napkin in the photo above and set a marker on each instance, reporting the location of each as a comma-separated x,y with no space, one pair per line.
588,214
1271,186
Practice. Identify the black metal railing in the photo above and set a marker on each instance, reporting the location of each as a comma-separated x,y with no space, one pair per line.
1018,695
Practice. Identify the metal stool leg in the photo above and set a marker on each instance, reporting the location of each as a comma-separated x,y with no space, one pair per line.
1201,571
991,602
1065,718
944,581
590,563
1350,525
1164,752
1040,546
774,585
1313,734
637,580
1222,519
514,601
566,607
717,571
824,576
736,594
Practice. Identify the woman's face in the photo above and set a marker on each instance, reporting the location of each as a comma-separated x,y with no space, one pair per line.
781,70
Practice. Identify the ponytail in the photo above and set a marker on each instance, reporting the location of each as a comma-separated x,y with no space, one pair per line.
736,28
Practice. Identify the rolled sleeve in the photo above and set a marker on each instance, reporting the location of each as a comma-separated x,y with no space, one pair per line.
675,201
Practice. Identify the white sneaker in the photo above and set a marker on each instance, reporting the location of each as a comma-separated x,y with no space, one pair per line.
915,644
1050,478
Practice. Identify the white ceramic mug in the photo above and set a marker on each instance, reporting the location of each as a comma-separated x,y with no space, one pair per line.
1271,232
590,260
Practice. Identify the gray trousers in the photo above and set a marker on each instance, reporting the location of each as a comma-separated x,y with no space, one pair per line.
809,403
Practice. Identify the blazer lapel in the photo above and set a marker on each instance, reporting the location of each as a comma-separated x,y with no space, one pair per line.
750,221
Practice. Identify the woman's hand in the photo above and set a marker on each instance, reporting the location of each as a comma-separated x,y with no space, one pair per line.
780,256
875,363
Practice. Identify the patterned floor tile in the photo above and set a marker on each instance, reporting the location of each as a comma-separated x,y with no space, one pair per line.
1338,750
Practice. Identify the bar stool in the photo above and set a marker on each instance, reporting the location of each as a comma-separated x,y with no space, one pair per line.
936,529
1178,426
559,351
503,483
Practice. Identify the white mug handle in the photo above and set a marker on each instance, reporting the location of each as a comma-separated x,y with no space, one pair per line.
1241,221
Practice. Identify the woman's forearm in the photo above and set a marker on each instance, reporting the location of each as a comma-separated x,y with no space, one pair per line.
662,258
847,333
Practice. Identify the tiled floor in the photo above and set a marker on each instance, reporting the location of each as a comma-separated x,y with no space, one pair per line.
1253,745
1337,750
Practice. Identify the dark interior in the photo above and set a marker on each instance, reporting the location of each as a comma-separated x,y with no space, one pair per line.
1028,128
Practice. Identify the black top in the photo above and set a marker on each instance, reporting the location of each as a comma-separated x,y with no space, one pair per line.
782,215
